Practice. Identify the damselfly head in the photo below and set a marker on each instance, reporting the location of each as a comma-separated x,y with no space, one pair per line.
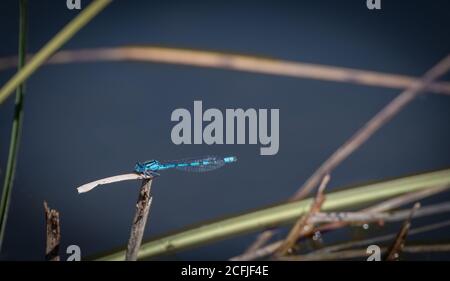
139,167
142,167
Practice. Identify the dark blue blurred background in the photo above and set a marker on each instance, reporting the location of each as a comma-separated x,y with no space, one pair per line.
92,120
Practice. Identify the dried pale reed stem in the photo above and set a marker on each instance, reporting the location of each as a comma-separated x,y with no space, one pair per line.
91,185
236,62
53,234
140,219
405,199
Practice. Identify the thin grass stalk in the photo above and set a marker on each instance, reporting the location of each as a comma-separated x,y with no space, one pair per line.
284,213
16,129
236,62
52,46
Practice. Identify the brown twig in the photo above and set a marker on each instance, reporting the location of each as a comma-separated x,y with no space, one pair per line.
378,239
262,239
53,234
356,253
363,134
395,249
259,253
303,225
140,219
236,62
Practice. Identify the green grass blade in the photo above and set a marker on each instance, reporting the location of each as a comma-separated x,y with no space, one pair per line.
52,46
284,213
16,129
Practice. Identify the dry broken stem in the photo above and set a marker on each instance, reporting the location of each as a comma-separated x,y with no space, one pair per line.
140,219
53,233
303,226
395,249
